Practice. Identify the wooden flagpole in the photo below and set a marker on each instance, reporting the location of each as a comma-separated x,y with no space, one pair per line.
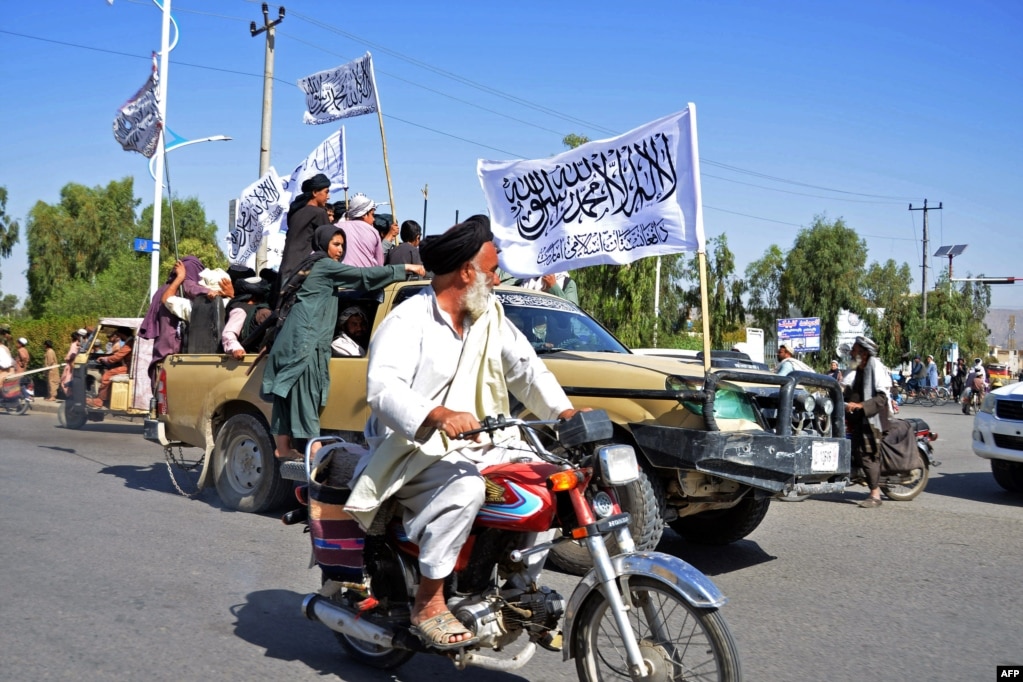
383,140
704,309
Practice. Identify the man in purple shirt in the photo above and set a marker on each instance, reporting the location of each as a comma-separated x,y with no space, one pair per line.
363,248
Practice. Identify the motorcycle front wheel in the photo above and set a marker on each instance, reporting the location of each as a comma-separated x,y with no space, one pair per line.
678,641
910,485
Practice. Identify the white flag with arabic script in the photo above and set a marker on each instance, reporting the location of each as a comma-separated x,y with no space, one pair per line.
261,207
339,93
605,202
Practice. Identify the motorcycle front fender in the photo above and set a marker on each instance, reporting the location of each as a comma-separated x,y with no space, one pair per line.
684,579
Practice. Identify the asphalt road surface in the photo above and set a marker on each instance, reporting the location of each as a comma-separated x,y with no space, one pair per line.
109,573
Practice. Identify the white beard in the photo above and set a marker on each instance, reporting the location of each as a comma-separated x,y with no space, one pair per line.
477,296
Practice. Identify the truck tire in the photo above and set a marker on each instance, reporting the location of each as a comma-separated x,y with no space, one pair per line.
245,469
723,526
72,415
643,499
1009,475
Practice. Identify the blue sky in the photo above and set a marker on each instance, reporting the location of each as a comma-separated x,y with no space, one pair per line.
852,110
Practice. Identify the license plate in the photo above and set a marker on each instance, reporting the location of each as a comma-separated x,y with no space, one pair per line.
824,457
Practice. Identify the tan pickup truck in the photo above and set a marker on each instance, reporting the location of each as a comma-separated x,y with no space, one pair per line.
710,461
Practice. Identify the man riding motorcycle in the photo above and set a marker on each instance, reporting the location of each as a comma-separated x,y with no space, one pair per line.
438,362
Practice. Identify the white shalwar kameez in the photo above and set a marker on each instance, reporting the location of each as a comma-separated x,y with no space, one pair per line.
413,360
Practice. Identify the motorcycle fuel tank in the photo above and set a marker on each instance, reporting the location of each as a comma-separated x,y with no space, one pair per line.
517,497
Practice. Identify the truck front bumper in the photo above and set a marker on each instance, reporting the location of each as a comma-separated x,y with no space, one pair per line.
778,464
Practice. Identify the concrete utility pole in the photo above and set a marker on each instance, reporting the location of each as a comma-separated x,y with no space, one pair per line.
268,96
924,278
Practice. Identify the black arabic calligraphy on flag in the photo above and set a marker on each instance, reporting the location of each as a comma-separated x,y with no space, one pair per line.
605,202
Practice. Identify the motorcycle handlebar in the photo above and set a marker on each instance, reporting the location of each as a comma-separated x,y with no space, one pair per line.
500,422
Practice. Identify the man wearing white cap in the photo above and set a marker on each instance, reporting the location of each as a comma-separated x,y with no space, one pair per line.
21,356
363,246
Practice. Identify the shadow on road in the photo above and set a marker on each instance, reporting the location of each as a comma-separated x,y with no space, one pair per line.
155,477
978,486
111,427
273,621
714,560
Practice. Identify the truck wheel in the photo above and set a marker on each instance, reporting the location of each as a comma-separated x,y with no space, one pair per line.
643,499
1009,475
245,469
723,526
72,415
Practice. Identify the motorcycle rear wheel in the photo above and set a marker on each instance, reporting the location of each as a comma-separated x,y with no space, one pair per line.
367,653
683,642
904,492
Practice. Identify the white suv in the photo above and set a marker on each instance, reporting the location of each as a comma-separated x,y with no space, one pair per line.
998,435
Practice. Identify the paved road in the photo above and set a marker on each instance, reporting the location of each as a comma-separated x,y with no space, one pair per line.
110,574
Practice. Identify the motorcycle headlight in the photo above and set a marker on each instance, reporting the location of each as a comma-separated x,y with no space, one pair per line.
618,464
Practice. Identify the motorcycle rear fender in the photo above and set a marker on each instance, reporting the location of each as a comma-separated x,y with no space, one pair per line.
677,575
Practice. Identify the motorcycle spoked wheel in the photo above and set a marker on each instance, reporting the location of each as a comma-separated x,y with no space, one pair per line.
16,407
367,653
680,641
911,485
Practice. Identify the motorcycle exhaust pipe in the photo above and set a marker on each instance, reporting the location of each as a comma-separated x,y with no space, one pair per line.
318,608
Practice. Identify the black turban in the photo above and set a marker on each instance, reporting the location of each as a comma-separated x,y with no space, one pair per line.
315,183
444,253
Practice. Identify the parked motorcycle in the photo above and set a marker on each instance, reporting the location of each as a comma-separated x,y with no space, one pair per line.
634,615
16,398
903,487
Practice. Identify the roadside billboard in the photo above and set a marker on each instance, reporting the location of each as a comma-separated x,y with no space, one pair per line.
800,334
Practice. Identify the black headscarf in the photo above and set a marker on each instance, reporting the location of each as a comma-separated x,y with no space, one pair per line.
444,253
321,240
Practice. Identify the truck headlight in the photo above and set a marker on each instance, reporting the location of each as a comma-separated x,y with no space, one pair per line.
618,464
805,402
826,405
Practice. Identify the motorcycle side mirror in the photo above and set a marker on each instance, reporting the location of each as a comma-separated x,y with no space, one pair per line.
586,427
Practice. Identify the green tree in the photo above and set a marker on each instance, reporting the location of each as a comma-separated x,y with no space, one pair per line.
727,314
572,140
184,231
766,300
824,270
8,306
122,290
888,307
77,238
8,229
954,314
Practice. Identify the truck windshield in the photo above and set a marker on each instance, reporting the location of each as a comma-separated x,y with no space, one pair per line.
551,324
554,325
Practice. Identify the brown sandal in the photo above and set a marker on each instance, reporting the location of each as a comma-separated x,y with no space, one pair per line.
436,632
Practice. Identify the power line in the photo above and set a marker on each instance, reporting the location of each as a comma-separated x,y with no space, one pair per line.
884,198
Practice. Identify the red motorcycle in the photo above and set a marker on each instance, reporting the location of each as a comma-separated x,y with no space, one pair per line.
638,615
